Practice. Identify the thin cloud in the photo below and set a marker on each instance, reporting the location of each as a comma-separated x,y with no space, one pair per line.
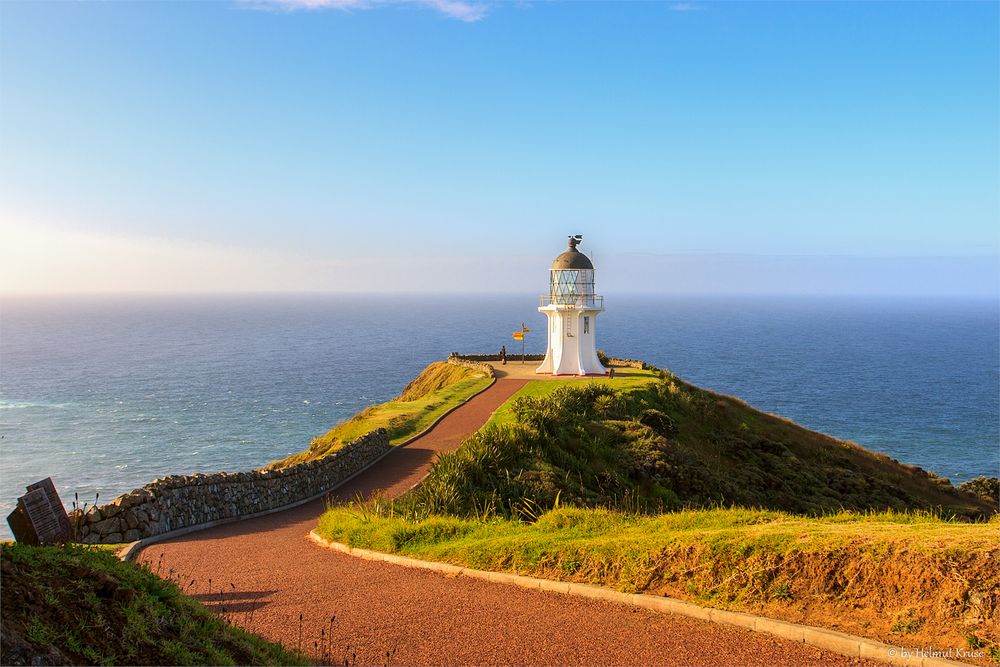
461,10
458,9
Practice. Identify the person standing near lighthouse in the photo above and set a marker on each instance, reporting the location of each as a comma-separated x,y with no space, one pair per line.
572,309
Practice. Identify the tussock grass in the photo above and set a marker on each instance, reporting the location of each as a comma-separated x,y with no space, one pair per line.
438,375
858,572
625,379
528,547
657,445
440,387
77,605
660,487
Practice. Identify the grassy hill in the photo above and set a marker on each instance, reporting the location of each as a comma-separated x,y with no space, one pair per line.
439,387
656,486
83,606
665,445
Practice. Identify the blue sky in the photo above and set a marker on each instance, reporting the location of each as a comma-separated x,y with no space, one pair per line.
311,144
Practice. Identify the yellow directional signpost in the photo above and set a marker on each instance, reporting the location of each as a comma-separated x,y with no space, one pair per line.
519,335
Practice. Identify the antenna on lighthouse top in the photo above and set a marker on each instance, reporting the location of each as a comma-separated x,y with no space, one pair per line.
574,241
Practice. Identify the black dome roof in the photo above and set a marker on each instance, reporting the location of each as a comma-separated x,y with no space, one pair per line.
572,258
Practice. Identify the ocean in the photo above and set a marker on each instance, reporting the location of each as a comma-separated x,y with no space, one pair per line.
107,393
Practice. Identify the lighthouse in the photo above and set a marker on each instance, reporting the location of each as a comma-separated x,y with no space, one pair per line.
572,309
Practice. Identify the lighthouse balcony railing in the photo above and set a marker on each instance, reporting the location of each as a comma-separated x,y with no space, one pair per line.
572,300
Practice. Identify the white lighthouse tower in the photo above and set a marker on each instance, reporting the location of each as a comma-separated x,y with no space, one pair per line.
572,309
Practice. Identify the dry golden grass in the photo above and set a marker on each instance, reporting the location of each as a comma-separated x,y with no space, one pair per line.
435,391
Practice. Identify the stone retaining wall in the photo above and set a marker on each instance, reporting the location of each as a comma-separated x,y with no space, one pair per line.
181,501
511,356
477,360
627,363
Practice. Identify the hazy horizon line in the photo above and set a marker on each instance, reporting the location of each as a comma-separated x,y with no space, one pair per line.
613,293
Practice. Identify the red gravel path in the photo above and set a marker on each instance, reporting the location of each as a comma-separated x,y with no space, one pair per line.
270,574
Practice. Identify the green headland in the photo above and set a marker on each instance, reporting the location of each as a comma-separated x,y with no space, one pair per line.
641,483
646,483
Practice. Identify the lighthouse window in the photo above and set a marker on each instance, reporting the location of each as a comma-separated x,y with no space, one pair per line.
568,286
586,324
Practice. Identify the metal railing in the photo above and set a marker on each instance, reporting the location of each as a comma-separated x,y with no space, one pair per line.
572,300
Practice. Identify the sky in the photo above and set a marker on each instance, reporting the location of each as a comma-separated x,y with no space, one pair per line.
452,145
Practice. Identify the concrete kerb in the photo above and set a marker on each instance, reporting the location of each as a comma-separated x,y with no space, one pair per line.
821,638
130,550
493,381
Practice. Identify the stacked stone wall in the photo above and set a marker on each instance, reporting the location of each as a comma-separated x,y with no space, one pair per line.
183,501
483,358
477,361
627,363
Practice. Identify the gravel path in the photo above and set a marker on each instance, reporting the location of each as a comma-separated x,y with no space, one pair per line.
264,574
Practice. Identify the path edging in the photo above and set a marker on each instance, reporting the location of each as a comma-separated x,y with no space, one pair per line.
444,414
828,640
132,549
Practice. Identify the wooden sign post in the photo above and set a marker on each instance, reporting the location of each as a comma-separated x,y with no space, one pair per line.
519,335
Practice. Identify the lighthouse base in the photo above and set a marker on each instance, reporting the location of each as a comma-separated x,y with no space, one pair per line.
572,348
566,369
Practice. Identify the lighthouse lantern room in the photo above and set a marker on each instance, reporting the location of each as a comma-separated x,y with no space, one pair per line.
572,309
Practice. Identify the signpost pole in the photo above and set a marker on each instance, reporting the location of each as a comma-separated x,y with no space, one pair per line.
519,335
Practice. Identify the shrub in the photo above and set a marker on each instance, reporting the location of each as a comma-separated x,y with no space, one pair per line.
987,488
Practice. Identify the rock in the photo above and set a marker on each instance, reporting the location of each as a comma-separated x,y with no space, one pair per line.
131,520
131,535
95,516
112,525
113,538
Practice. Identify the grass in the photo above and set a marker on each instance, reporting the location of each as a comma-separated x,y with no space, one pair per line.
439,388
625,378
80,605
880,574
110,548
654,443
439,375
646,486
617,548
